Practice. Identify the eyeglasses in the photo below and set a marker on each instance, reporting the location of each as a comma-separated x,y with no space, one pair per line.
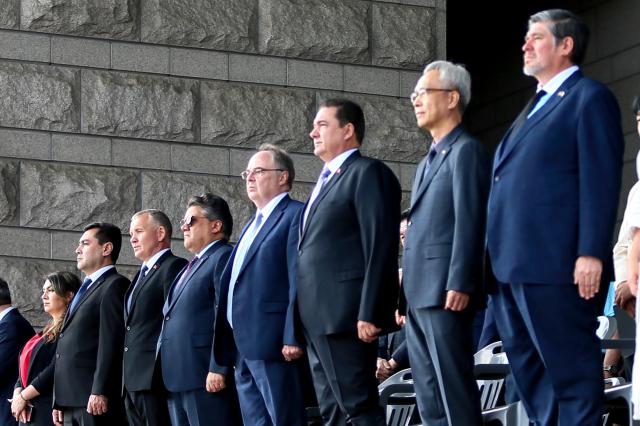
426,90
189,221
258,171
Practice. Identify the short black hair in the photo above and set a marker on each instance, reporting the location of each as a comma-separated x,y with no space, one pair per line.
635,105
348,112
5,293
108,233
563,23
216,208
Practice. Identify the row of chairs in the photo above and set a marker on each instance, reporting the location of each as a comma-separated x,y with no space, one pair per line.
491,368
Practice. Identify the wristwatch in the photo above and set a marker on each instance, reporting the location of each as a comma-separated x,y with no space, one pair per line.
611,369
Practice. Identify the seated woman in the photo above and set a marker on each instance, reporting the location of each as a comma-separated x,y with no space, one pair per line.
33,394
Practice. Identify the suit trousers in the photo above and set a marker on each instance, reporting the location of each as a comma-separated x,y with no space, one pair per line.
441,348
269,393
78,416
146,408
549,334
343,369
200,408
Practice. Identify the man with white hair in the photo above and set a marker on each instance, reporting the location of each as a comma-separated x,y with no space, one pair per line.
442,262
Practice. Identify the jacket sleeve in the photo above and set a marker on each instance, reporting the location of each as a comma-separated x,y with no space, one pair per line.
290,329
470,192
111,337
218,269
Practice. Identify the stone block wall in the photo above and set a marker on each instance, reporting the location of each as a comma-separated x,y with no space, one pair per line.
112,106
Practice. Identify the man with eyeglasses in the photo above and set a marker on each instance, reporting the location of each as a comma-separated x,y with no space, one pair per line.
442,262
200,390
255,327
347,278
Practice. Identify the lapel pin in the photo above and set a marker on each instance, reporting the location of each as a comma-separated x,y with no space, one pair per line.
561,93
339,170
444,151
155,266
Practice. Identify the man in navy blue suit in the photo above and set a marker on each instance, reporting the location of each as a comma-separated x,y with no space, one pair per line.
200,390
552,207
255,319
14,333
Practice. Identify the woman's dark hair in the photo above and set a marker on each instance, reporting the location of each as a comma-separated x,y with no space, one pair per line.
62,283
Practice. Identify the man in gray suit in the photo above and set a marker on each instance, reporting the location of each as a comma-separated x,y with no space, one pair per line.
442,262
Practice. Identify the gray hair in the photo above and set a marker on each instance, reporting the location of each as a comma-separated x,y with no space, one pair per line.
282,159
159,218
561,24
455,77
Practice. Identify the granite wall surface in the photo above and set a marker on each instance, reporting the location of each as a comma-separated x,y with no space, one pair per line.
112,106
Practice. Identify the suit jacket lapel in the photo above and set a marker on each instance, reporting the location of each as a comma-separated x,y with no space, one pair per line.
88,294
136,291
546,109
34,354
173,297
273,219
443,151
342,170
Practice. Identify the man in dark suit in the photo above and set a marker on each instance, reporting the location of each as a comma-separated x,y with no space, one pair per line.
15,331
347,266
88,370
442,261
145,396
552,207
200,390
255,328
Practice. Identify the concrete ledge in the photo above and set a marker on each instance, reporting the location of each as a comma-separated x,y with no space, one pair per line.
25,144
24,242
81,52
25,46
138,57
258,69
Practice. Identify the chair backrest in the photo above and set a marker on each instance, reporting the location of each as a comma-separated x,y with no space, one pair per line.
491,390
399,402
402,376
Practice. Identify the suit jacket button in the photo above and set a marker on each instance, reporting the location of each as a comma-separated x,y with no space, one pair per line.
128,328
126,349
497,178
57,355
61,334
166,318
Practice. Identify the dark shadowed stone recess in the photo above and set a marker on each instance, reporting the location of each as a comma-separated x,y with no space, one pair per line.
403,36
170,192
70,197
117,19
215,24
25,278
329,30
39,97
139,106
391,130
8,191
249,115
9,14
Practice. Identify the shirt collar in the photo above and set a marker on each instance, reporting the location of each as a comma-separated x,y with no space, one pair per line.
154,259
271,205
100,272
6,311
335,164
557,80
204,250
